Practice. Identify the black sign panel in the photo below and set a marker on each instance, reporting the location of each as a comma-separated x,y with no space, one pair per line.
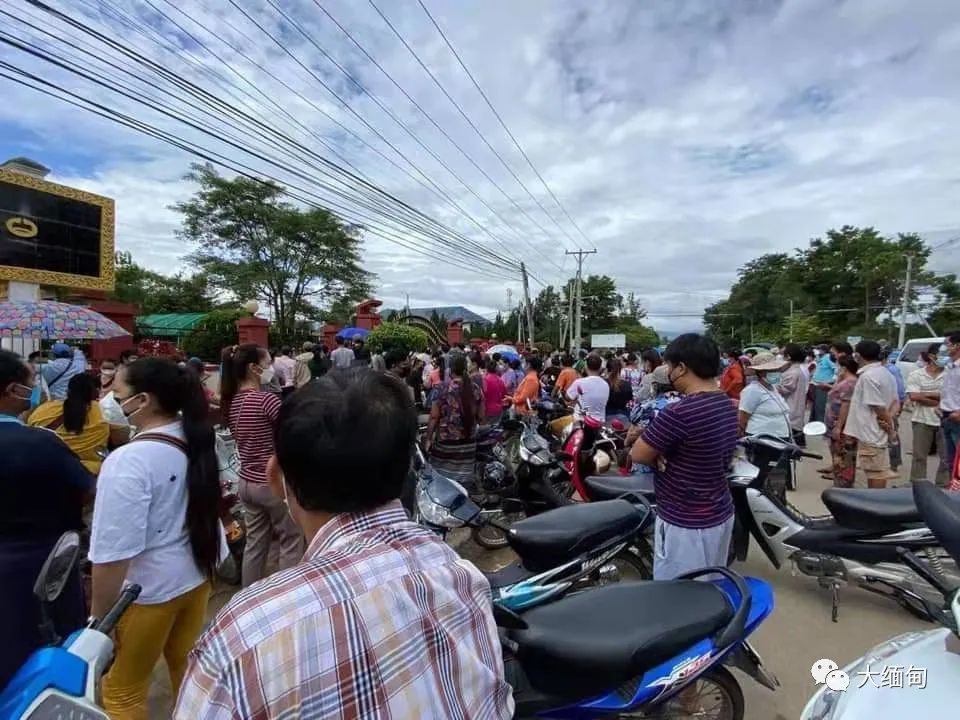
40,231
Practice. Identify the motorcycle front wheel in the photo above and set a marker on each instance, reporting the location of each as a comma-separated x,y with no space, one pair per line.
716,695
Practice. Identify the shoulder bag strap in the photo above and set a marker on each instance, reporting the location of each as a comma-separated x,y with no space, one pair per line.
162,438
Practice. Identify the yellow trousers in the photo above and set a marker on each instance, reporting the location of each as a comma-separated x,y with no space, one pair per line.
143,634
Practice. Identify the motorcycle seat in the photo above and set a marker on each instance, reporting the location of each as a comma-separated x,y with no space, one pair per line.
875,509
613,485
592,642
559,535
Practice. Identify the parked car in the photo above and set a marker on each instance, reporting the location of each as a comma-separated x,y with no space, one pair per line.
907,360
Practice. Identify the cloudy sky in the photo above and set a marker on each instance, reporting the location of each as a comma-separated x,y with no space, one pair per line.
681,139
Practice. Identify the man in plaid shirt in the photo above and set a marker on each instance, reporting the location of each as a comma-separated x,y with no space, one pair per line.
380,619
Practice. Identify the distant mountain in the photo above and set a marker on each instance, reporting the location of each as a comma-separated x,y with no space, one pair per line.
449,312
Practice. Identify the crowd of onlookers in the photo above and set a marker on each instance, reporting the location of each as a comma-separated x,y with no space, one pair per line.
860,395
324,442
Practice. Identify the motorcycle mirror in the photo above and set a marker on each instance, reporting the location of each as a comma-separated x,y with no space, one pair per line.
57,568
814,428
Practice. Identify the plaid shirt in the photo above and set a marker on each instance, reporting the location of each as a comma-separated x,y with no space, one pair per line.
381,619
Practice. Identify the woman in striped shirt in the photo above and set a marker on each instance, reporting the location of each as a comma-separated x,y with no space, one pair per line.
251,415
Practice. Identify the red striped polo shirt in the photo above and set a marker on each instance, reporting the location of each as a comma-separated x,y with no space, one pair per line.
253,415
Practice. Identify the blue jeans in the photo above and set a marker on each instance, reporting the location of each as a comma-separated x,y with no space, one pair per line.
951,435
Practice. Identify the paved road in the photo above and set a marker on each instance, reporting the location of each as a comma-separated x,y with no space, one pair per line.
798,633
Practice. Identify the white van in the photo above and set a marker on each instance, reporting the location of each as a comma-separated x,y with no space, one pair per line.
907,362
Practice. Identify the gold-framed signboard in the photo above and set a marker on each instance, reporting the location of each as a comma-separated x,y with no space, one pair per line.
52,234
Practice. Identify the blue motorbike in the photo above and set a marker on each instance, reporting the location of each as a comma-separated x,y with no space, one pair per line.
645,649
60,681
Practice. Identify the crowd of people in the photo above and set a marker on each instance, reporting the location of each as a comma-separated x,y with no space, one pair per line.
325,442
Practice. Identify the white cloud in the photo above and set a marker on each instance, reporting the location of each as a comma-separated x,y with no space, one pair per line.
685,138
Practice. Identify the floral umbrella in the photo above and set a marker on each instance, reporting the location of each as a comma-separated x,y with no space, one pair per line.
47,319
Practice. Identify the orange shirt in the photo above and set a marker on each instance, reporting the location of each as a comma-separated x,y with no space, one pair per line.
733,380
565,379
528,389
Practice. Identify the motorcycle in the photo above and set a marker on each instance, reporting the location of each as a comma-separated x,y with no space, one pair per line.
560,551
857,542
936,652
633,648
60,680
524,478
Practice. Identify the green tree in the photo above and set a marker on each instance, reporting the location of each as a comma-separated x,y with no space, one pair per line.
439,322
254,244
397,336
215,332
600,301
946,315
804,329
547,311
631,309
156,293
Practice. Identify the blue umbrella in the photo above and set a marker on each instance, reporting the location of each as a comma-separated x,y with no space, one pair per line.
353,333
508,352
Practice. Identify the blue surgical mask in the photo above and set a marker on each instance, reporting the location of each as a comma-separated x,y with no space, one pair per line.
773,378
35,397
942,361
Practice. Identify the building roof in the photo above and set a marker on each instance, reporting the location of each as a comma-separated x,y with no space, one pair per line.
169,324
449,312
26,162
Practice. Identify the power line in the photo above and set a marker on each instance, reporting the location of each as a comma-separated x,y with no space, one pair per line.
309,38
214,157
505,128
206,97
353,112
945,243
462,114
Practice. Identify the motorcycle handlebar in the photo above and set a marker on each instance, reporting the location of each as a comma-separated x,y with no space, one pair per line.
815,456
110,620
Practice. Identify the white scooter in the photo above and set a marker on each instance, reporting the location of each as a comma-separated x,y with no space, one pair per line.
856,543
914,674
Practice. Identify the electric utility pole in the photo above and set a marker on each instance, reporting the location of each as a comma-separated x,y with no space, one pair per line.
906,302
578,328
527,304
791,321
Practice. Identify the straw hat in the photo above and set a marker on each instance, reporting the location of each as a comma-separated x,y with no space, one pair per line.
767,362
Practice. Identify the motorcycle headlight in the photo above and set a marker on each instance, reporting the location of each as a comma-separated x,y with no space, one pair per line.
444,502
57,705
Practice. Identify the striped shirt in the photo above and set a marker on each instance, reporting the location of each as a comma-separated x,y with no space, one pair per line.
696,438
381,619
253,414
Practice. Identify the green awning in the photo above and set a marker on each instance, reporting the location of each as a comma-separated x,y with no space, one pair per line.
168,325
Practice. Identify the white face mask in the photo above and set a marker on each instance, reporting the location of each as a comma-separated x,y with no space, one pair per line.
266,375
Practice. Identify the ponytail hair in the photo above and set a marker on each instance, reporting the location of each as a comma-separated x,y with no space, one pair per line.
178,390
82,390
468,402
233,370
614,366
